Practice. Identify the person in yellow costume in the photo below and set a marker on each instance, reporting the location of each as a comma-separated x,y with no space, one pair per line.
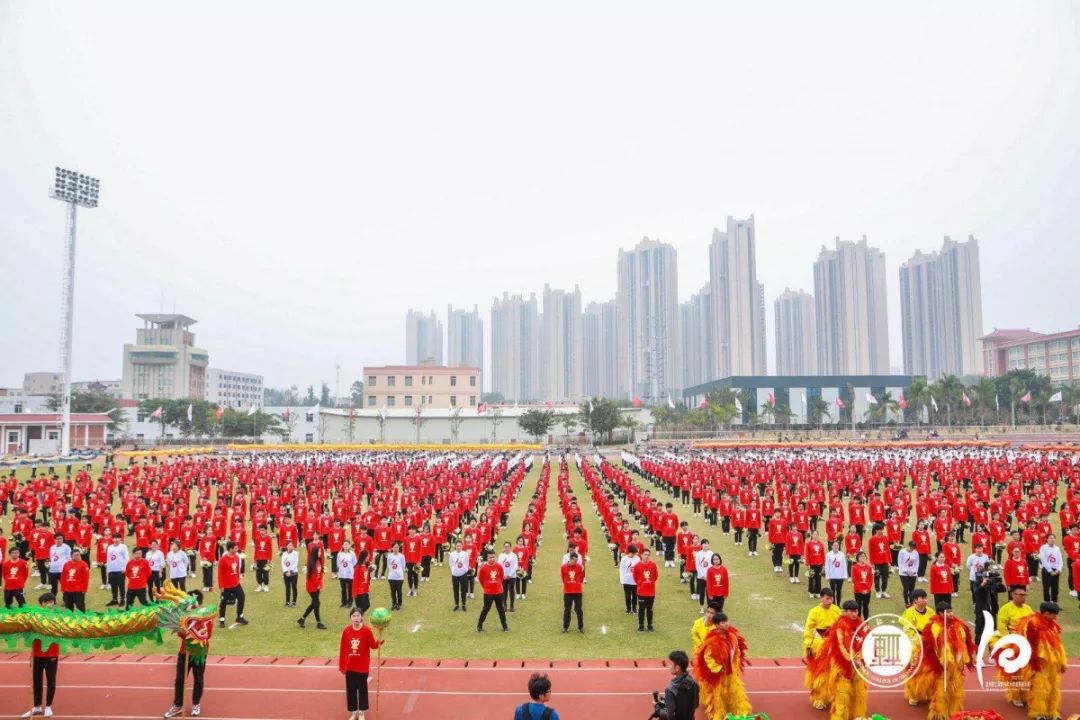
917,616
1048,662
818,621
701,627
718,667
1008,619
948,648
834,666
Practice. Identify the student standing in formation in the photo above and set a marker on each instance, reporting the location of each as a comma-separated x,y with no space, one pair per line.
313,584
290,567
490,574
15,571
815,561
862,582
412,561
645,574
75,581
509,562
346,569
137,576
793,546
177,560
717,584
156,559
573,577
229,578
354,661
59,554
361,583
194,634
459,575
115,564
908,561
1050,563
395,574
44,663
626,577
702,560
941,582
881,559
264,550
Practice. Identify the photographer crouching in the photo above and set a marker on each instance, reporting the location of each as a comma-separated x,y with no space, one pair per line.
680,696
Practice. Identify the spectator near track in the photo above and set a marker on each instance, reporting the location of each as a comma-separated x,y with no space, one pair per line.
539,695
194,634
43,666
15,573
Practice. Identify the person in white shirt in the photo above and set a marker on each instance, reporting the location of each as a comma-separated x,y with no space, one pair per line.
395,574
116,560
836,569
1050,560
290,568
908,562
702,560
975,563
156,560
626,577
346,564
459,574
509,563
178,563
59,554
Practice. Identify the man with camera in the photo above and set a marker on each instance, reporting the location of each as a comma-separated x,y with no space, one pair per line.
681,695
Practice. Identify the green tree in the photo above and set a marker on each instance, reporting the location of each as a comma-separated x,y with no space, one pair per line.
455,423
817,410
568,422
310,398
768,410
948,391
537,422
631,425
600,416
879,411
324,396
917,397
984,397
493,398
356,393
93,402
238,423
496,421
273,397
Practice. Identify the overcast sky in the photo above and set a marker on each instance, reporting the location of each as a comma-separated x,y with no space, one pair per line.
295,177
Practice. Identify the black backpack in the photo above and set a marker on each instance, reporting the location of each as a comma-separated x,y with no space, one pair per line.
526,714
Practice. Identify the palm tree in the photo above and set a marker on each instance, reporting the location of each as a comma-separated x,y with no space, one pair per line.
984,395
917,397
880,410
630,424
1070,400
817,410
768,410
948,389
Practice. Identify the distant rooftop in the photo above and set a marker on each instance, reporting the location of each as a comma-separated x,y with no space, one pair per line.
167,320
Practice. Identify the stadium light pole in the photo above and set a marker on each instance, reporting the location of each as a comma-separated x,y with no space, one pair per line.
76,190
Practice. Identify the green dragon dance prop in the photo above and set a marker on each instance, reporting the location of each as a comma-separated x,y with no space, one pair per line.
89,631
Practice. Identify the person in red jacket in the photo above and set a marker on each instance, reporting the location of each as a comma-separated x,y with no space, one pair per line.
717,583
75,581
15,571
881,559
573,577
361,583
645,573
137,576
490,575
354,661
264,552
1015,570
815,560
44,663
862,582
229,577
314,583
941,580
793,546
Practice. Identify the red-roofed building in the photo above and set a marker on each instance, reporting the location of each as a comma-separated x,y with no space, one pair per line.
1057,356
39,433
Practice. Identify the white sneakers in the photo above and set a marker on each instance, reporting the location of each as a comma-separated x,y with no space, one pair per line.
886,595
38,712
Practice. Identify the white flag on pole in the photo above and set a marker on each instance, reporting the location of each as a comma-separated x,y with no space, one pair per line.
253,410
190,404
870,399
804,399
933,403
738,406
1056,397
670,404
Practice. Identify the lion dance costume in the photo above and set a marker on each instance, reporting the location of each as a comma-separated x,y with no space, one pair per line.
948,648
87,631
718,667
831,672
1043,672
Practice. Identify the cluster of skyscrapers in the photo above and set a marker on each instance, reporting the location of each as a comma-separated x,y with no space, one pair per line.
645,344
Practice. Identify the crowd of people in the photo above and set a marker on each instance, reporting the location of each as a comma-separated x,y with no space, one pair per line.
849,522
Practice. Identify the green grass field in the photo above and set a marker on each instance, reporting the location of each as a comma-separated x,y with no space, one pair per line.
766,607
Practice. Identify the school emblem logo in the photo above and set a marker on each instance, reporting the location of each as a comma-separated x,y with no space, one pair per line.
891,650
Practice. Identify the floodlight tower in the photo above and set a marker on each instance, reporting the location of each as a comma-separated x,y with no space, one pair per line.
75,189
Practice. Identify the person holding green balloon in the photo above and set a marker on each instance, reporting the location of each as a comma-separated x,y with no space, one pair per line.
354,657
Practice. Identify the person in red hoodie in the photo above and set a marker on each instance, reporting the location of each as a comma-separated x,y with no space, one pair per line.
43,668
881,559
314,582
354,660
490,575
75,581
361,583
137,575
15,571
573,577
941,580
232,591
815,560
645,574
862,582
793,546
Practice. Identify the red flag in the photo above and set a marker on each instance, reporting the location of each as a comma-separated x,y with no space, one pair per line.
1027,397
157,413
902,403
352,412
839,402
704,403
219,413
550,404
481,408
285,415
967,400
636,401
772,399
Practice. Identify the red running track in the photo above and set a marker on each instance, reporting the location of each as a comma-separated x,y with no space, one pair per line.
131,687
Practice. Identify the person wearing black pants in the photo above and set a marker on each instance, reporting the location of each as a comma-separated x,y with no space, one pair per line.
186,664
44,663
290,589
491,580
461,590
314,585
572,601
573,577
